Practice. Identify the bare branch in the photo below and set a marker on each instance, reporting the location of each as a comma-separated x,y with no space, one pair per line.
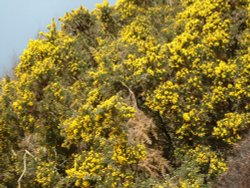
26,152
131,95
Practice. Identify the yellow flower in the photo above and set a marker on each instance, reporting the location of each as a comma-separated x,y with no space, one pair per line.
85,183
186,117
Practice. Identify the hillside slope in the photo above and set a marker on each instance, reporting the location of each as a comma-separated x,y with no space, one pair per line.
146,93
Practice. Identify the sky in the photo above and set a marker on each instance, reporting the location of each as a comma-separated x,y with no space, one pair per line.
21,20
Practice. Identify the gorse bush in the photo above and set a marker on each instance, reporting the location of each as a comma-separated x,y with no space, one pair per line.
140,94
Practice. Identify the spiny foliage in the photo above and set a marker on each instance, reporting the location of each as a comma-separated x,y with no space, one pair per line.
141,94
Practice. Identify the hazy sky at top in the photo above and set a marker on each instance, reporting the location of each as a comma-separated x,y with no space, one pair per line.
21,20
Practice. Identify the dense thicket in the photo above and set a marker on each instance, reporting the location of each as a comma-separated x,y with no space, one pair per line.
146,93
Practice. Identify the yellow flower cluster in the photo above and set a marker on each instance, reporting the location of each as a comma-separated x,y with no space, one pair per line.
204,156
77,21
165,98
230,127
128,154
46,173
87,167
127,9
93,123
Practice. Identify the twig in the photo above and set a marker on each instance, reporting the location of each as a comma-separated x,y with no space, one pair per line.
24,166
131,95
13,152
